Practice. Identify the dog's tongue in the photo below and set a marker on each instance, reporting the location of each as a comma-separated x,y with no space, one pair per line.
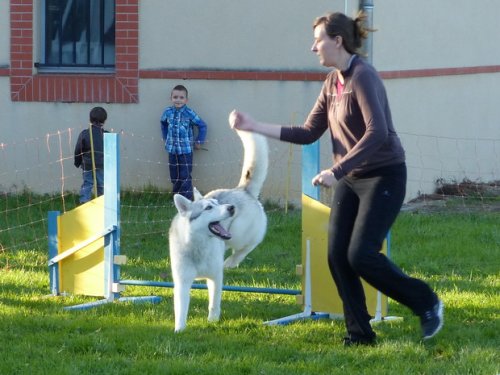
219,230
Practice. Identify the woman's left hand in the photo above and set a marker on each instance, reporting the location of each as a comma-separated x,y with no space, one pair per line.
325,178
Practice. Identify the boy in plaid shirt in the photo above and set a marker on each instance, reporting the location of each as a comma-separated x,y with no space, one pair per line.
177,123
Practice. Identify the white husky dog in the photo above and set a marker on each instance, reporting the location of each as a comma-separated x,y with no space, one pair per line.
197,232
197,251
249,223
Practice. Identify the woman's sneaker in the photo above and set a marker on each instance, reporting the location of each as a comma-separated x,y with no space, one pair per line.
432,320
353,340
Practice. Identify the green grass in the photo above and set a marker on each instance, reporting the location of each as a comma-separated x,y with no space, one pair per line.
458,254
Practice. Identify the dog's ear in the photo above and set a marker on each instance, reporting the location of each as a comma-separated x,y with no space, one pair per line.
182,204
197,195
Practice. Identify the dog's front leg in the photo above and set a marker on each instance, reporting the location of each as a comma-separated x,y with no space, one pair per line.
181,303
214,287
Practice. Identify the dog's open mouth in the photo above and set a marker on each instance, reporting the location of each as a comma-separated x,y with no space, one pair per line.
219,230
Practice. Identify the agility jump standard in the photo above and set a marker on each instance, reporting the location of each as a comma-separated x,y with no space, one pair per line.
84,250
84,243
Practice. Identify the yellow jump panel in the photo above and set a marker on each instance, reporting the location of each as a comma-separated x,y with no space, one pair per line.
82,272
324,296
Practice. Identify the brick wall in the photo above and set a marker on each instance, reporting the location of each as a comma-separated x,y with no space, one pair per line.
120,87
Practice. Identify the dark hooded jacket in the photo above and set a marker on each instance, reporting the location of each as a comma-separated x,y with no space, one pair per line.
83,155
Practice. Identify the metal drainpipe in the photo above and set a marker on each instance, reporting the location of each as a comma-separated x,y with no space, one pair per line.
367,7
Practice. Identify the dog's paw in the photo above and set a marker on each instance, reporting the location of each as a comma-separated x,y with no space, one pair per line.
179,329
213,317
231,262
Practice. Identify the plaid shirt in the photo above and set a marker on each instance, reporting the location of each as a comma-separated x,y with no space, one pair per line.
177,129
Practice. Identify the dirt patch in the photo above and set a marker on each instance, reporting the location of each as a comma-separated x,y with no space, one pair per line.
465,196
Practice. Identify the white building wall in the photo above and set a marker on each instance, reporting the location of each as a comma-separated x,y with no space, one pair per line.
448,124
227,34
429,34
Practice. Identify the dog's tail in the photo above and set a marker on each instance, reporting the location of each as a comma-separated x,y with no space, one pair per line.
255,162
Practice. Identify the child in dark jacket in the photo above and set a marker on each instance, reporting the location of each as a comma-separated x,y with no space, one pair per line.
89,155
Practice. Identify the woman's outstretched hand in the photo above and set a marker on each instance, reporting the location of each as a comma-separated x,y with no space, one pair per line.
241,121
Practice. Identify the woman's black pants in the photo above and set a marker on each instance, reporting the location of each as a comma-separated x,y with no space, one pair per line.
363,210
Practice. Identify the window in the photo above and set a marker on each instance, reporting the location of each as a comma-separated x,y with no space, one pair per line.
78,34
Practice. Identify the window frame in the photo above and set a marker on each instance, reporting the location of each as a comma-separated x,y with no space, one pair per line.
29,83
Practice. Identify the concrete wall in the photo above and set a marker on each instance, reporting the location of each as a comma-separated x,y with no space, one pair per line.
448,122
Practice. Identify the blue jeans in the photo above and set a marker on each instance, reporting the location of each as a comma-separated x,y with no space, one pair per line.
180,167
86,190
363,210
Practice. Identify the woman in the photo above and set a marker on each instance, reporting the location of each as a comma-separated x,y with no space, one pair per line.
368,172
